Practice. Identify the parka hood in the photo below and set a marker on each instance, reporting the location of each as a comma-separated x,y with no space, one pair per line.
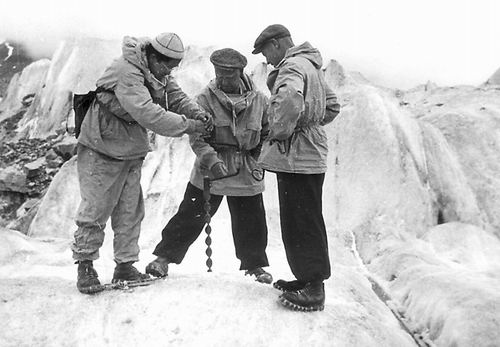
306,50
134,51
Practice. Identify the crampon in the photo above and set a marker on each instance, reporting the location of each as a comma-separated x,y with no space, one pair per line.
120,285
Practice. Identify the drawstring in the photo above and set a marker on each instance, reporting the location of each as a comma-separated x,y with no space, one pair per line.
234,119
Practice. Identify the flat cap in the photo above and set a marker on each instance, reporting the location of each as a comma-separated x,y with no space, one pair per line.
228,58
274,31
169,45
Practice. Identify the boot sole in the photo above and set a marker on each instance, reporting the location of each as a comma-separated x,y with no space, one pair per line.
295,307
155,273
91,289
135,283
118,285
265,281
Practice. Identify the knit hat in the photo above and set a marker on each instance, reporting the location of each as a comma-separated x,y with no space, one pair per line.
228,58
274,31
169,45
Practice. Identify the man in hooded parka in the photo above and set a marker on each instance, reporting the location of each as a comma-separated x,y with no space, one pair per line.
296,150
135,93
240,126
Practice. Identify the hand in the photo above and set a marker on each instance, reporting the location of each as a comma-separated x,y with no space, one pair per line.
207,119
203,116
199,127
219,170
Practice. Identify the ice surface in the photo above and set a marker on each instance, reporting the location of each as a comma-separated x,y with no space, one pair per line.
22,85
410,201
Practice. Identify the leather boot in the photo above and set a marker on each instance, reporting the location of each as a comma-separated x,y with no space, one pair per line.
158,267
127,272
260,274
87,281
289,286
310,298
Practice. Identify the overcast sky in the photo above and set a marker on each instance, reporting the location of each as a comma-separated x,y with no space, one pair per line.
397,43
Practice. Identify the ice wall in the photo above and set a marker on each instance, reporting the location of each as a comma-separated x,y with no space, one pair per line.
413,177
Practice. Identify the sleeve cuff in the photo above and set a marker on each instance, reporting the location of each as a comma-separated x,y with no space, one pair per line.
190,126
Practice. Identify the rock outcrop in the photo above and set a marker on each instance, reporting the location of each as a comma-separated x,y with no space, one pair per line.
13,59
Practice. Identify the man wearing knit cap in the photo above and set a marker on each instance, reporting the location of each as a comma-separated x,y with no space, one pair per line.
296,149
240,125
135,93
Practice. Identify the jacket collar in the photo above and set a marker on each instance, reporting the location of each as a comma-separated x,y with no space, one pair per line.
247,96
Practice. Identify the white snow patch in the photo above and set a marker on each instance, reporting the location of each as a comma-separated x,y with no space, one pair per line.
11,50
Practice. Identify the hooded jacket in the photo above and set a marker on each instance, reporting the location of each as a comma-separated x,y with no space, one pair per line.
133,100
239,130
301,103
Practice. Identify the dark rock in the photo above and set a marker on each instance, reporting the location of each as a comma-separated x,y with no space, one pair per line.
13,179
28,205
66,148
9,203
34,168
16,62
52,137
55,163
9,125
51,155
25,215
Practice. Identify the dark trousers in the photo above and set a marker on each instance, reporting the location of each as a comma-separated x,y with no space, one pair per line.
302,226
248,222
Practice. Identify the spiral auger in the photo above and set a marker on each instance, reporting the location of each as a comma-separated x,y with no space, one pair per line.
208,228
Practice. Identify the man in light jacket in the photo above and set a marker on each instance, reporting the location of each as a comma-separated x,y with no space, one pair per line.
135,93
240,125
296,150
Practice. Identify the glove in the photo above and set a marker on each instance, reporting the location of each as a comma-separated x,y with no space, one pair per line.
199,127
219,170
207,119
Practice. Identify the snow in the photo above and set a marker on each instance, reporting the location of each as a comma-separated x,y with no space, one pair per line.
29,81
11,50
495,78
469,120
41,306
396,175
55,216
409,203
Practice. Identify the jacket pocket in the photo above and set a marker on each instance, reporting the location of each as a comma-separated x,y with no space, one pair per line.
251,135
221,122
222,133
105,122
254,124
